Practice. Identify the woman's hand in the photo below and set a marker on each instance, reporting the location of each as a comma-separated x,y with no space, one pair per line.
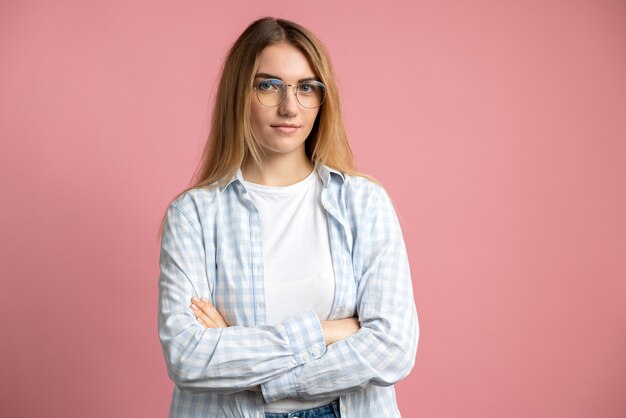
206,314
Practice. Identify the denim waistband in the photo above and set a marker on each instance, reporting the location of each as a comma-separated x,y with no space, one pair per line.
326,411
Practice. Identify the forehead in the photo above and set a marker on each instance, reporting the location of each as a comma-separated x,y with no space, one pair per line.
285,61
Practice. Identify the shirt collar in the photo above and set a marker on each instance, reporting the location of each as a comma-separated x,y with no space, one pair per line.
325,172
223,183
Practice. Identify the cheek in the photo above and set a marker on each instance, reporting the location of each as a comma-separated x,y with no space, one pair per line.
257,115
312,117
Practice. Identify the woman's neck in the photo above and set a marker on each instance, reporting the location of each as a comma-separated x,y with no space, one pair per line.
279,171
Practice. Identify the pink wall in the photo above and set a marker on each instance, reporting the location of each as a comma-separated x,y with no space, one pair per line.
498,127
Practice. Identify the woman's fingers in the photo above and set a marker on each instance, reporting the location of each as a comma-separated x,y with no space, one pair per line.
207,314
202,318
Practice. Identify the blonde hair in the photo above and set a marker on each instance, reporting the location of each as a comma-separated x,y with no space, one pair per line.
231,141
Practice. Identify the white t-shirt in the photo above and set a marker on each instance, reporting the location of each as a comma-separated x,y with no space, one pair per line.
298,269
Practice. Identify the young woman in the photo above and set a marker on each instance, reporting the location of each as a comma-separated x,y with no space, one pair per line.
285,287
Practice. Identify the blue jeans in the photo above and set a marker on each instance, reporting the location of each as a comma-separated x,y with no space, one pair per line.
327,411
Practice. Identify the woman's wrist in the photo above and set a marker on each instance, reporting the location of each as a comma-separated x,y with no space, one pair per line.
339,329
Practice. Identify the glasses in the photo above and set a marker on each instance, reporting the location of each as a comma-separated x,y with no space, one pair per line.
271,92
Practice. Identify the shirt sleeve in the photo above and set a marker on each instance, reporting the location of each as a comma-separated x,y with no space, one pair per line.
383,351
229,359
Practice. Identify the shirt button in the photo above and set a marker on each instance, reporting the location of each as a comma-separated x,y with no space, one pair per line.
305,356
316,351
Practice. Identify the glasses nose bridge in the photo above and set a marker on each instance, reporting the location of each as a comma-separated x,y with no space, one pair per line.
283,94
284,89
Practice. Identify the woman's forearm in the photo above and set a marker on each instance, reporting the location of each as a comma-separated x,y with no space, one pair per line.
334,330
339,329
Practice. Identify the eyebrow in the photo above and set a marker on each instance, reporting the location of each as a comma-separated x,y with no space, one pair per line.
265,75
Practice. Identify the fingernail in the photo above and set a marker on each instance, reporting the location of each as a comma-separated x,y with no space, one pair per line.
194,307
195,300
205,300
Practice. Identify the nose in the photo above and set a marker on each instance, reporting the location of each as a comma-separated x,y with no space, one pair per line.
289,105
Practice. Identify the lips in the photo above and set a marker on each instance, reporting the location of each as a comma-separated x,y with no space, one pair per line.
285,125
285,128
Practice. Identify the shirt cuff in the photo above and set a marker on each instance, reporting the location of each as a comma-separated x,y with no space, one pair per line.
306,337
280,387
307,342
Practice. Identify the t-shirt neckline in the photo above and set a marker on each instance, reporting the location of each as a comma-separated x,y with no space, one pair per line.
281,190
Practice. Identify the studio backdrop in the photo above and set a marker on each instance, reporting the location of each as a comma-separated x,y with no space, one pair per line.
498,128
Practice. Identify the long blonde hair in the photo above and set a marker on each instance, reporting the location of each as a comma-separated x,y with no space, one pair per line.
231,141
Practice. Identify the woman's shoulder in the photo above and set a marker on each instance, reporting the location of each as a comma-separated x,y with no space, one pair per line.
362,182
362,186
366,200
361,195
196,194
195,203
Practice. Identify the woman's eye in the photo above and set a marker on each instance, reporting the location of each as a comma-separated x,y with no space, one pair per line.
307,88
265,85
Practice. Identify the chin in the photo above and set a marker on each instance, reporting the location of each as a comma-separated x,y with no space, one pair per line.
282,148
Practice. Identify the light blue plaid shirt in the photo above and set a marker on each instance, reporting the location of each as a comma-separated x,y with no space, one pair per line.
211,247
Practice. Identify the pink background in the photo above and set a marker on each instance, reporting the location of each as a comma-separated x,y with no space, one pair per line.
498,127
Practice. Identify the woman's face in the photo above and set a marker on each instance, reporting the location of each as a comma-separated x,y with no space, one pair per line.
283,129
